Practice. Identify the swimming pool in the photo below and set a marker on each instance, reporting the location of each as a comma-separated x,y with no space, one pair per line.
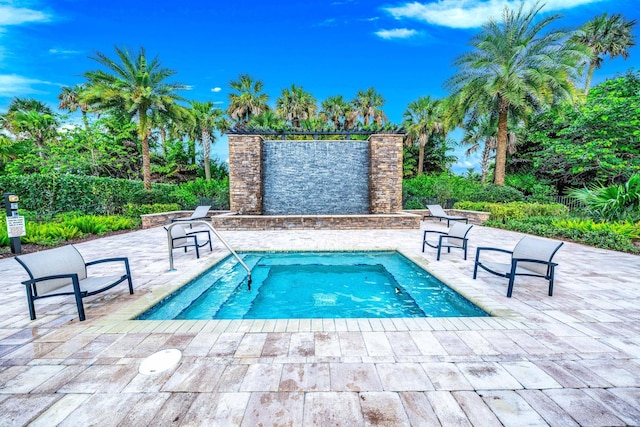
380,284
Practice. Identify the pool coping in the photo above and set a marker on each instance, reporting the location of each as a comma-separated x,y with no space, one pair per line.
123,320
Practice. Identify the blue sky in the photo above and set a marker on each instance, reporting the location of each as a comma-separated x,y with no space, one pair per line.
404,49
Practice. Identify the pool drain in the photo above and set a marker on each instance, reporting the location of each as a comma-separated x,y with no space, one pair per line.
161,361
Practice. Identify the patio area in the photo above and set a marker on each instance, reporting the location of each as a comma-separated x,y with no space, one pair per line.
567,360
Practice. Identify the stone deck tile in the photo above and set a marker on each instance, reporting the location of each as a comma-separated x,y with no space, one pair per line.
447,409
629,413
333,409
354,377
583,339
279,408
585,410
383,408
305,377
403,377
511,409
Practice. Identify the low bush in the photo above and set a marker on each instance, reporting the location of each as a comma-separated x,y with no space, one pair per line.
49,194
134,211
445,189
616,236
68,226
515,210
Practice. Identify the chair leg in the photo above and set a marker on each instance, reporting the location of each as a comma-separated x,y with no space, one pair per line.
551,282
197,251
128,271
32,307
464,248
510,289
475,265
78,295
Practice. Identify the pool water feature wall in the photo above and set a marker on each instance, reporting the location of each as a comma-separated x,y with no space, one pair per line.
315,177
384,178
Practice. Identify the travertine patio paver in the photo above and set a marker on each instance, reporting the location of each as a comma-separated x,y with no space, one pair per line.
570,359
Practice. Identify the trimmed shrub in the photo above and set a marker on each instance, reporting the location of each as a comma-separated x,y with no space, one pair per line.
134,211
515,210
615,236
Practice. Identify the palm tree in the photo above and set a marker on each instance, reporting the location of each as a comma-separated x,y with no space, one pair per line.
31,120
206,118
70,100
514,67
336,109
137,86
296,104
368,104
267,120
422,120
481,134
249,100
605,35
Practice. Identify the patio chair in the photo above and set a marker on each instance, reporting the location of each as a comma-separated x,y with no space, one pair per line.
531,256
436,211
200,213
456,237
62,271
182,239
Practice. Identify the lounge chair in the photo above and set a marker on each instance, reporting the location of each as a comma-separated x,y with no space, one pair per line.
200,213
436,211
456,237
182,239
530,257
62,271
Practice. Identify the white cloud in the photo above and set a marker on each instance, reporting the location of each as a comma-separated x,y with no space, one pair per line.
396,33
216,89
10,15
14,85
64,52
471,13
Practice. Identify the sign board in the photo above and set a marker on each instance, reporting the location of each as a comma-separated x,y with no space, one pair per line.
16,226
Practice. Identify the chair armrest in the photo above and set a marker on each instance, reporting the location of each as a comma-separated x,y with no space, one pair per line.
55,276
487,249
539,261
100,261
435,232
193,233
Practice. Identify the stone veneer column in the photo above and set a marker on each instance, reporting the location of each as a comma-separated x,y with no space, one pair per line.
245,174
385,173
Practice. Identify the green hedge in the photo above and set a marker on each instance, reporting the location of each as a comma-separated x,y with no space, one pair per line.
617,236
48,195
445,188
515,210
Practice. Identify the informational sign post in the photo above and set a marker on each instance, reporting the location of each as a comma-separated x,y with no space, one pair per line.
15,223
16,227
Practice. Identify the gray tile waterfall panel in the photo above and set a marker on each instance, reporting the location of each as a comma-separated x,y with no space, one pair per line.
315,177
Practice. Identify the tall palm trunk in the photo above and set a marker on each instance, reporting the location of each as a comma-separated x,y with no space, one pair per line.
85,120
501,148
424,138
484,163
587,84
206,149
144,137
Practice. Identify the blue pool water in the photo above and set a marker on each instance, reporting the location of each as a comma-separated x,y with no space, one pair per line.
314,285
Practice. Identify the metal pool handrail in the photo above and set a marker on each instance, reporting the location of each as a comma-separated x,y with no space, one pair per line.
224,242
